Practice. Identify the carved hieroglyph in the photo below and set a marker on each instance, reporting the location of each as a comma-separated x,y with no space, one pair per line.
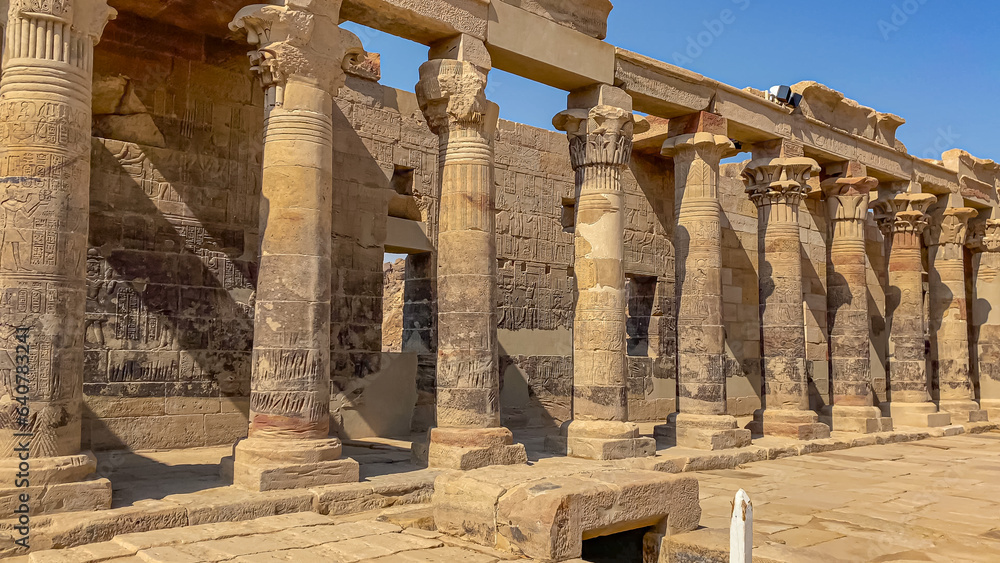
600,146
45,122
949,324
702,421
776,186
904,220
986,315
299,54
452,97
847,302
45,114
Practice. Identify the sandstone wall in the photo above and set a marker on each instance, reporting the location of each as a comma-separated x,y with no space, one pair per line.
174,232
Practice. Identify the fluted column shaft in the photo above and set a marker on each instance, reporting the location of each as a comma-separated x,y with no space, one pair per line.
698,242
948,318
599,370
847,291
949,322
298,56
905,304
452,96
777,187
45,124
702,420
468,381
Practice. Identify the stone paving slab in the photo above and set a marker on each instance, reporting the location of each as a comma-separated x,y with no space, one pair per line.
304,538
922,501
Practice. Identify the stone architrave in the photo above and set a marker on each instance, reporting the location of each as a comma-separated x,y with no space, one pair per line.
949,324
905,218
847,303
469,434
986,317
600,146
702,421
776,186
45,110
299,55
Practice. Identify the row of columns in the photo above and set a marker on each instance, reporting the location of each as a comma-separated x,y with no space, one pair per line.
298,53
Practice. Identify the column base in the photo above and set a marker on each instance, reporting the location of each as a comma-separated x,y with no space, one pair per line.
920,415
269,464
703,431
859,420
58,484
469,448
992,408
797,424
964,411
601,440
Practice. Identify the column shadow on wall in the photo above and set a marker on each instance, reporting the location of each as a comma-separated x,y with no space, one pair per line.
164,332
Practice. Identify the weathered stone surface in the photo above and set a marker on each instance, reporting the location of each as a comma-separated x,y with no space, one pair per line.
547,517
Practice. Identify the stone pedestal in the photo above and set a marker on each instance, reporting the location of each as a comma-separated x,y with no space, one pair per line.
702,422
298,55
452,96
600,136
847,304
45,108
904,219
949,326
776,186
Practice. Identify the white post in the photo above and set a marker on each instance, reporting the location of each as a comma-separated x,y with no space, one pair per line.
741,530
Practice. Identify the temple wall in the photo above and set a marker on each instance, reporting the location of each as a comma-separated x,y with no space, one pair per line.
174,240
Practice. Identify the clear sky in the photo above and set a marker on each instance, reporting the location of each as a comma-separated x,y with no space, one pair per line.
936,63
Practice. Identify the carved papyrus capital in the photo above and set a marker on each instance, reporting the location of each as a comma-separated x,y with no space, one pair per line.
601,135
452,94
87,18
698,146
951,229
903,213
778,180
847,198
298,41
991,236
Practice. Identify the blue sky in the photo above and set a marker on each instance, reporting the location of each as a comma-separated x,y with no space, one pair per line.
933,62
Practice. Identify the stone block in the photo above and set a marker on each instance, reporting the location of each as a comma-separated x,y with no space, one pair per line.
472,448
267,464
546,517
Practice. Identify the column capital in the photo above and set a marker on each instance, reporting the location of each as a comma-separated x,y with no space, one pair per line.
703,145
86,17
298,41
848,198
903,212
991,236
951,228
452,94
599,135
778,180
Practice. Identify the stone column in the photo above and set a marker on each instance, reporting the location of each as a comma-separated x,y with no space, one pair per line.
600,126
986,317
776,186
468,435
847,303
45,123
697,145
909,397
949,325
298,55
